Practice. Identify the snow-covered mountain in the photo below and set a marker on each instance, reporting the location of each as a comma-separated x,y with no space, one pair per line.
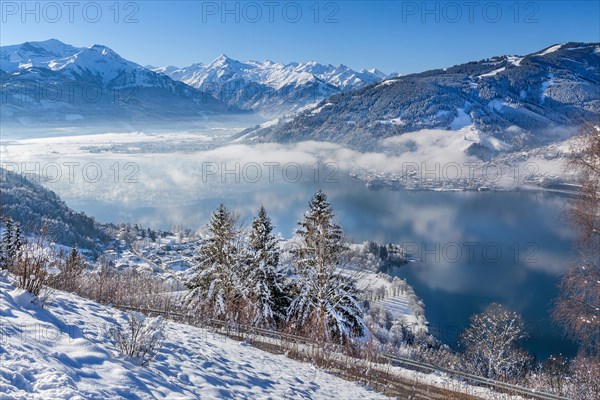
506,103
269,88
52,81
34,54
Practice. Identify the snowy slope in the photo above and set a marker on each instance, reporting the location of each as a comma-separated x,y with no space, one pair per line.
270,88
403,304
63,352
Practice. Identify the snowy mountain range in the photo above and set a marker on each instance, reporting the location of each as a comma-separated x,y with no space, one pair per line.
501,103
507,102
269,88
50,81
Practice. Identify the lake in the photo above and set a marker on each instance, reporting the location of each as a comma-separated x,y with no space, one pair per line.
470,248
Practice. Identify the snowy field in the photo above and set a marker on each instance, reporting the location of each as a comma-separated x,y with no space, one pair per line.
64,352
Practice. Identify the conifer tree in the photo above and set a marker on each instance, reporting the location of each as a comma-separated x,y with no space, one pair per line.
326,302
17,241
214,286
6,245
264,280
73,258
71,270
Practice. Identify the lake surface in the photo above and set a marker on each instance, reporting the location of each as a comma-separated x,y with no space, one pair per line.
470,248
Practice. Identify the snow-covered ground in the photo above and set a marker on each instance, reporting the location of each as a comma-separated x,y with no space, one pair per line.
63,351
401,302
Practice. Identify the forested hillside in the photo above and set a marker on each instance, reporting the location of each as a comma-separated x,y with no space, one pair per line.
34,208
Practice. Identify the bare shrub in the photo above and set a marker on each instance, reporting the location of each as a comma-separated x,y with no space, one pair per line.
129,289
139,337
46,296
586,378
578,305
70,271
30,267
585,212
551,376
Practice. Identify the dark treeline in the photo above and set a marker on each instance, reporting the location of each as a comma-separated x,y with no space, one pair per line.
35,208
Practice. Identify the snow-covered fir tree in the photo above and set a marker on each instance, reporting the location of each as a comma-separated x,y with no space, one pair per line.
265,282
74,265
325,302
17,241
216,286
6,245
73,256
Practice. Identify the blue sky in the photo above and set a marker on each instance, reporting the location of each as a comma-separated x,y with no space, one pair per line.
400,36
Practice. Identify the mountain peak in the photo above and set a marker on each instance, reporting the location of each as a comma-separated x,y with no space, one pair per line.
48,42
375,72
107,52
225,62
222,58
52,46
222,61
101,48
53,41
33,54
